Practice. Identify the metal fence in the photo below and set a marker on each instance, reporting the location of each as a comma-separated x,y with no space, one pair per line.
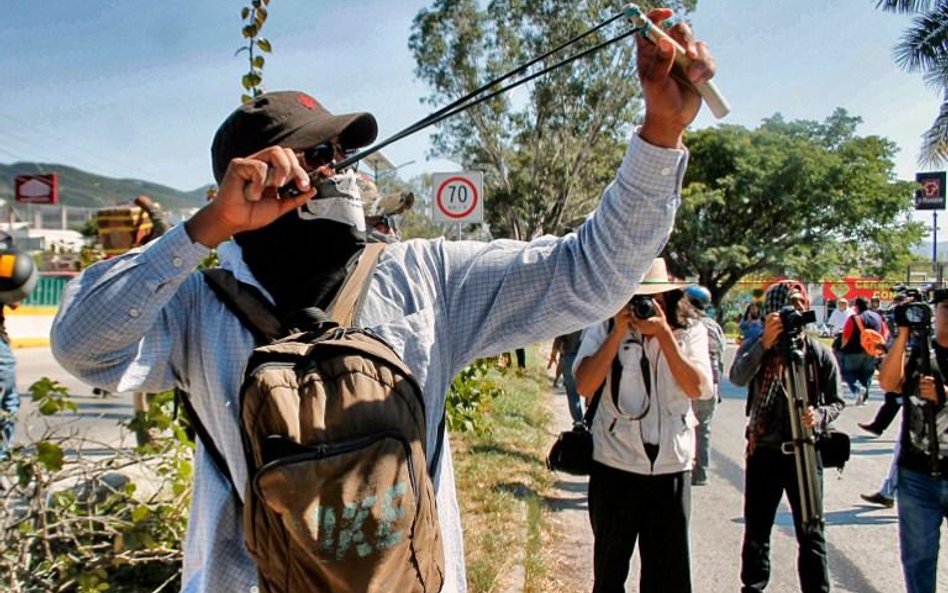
49,289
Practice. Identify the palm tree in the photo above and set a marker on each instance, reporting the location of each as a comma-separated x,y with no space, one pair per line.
924,48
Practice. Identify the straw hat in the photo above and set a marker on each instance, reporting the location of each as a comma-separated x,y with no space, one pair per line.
657,280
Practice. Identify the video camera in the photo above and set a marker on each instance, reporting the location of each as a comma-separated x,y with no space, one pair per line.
914,312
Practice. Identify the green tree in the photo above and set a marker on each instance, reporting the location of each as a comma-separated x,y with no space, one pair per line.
924,48
547,152
801,198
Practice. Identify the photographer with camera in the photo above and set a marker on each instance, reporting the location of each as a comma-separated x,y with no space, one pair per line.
761,365
916,366
647,364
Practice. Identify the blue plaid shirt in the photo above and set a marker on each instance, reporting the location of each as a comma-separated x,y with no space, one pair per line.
146,321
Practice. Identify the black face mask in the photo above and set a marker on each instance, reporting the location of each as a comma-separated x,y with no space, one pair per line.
301,263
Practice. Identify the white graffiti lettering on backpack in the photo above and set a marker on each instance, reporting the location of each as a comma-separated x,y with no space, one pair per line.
343,530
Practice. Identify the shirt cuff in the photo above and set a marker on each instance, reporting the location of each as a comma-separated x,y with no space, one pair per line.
174,254
654,169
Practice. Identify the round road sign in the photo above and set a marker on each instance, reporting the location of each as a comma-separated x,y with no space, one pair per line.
456,197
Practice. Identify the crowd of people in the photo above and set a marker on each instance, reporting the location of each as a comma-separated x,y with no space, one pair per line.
626,358
147,320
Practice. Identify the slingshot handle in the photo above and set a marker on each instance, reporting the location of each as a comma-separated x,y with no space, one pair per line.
708,90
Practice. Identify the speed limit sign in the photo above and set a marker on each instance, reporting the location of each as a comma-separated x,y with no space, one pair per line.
458,197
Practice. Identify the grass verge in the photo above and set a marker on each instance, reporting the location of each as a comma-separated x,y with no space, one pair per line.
502,479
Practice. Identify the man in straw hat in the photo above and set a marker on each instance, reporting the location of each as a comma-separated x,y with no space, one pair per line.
770,472
648,363
147,321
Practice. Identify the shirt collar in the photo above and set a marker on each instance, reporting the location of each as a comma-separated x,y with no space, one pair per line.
231,256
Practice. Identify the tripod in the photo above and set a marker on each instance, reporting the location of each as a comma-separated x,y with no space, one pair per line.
803,443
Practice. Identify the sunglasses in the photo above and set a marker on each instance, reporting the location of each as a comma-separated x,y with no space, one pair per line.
325,154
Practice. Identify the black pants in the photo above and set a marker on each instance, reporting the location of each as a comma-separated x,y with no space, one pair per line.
655,510
887,412
769,474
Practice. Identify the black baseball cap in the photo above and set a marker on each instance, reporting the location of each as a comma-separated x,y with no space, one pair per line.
288,118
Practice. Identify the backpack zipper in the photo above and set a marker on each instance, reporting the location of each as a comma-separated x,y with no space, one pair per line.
324,450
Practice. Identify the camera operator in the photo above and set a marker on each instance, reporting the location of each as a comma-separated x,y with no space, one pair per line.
650,361
922,462
760,364
887,412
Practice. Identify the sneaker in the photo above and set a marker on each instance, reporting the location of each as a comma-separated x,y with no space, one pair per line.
699,482
868,427
879,499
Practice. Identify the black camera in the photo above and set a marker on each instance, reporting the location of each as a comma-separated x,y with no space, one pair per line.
913,315
794,321
913,312
643,306
907,293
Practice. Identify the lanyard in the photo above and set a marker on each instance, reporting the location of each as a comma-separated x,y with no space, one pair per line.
645,368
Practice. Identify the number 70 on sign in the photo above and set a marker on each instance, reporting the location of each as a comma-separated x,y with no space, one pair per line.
458,197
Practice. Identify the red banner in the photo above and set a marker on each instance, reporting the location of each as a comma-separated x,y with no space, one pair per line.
850,288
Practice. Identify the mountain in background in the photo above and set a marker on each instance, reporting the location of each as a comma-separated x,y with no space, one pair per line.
79,188
924,249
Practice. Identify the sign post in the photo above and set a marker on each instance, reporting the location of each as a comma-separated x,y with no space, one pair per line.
931,196
458,197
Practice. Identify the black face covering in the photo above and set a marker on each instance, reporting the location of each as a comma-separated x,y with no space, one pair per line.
302,263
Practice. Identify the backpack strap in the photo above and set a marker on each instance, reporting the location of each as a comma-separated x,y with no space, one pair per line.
245,301
184,398
259,316
348,300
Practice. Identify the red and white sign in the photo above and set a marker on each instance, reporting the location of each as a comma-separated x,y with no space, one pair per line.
458,197
37,189
931,192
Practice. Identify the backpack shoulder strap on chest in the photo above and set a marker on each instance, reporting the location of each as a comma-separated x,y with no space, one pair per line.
245,301
348,301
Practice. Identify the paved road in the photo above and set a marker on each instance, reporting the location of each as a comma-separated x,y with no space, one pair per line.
98,418
862,538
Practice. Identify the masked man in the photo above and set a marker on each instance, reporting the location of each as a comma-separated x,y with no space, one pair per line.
147,321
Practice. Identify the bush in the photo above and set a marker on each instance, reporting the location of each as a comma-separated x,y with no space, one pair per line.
71,523
732,328
471,392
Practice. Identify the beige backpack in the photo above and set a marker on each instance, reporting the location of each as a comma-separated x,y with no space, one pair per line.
339,497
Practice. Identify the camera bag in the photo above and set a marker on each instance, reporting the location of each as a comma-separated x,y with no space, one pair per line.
572,453
834,448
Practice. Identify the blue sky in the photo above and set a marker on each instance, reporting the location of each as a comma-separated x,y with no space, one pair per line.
129,88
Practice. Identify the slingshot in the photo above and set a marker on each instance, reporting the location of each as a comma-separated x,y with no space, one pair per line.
641,24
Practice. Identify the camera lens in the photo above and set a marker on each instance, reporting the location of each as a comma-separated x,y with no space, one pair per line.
643,307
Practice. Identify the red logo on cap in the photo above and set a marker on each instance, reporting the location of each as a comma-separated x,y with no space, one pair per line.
306,101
